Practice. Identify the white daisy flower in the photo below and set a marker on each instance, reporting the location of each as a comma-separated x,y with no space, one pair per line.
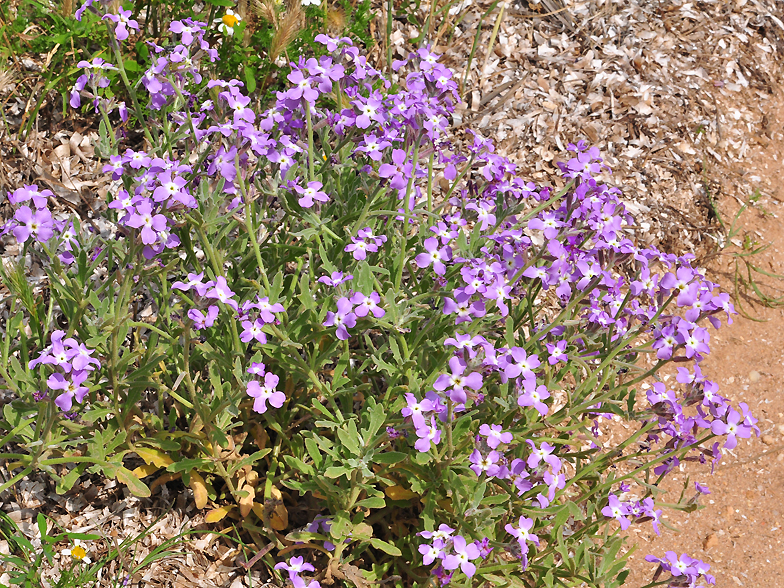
228,21
77,552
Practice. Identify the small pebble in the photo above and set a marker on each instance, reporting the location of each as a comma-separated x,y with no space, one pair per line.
768,439
781,429
754,376
711,540
729,513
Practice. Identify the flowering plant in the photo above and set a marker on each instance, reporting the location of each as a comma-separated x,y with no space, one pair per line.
326,308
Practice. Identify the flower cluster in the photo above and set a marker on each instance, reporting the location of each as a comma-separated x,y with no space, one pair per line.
27,223
685,570
632,511
349,308
452,552
509,288
364,242
74,362
264,389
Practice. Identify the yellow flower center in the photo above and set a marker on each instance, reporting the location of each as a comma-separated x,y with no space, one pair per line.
78,552
230,20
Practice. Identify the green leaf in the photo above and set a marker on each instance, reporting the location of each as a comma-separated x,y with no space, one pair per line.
250,78
198,464
66,482
349,437
337,471
127,477
339,375
364,279
385,547
299,465
313,451
389,457
341,525
373,502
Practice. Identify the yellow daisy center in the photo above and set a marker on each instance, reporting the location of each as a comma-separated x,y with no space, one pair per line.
78,552
230,20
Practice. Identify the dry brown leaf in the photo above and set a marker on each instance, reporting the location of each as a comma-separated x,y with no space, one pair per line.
279,518
246,502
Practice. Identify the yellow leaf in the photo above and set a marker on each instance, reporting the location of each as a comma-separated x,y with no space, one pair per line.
246,502
399,493
145,470
153,456
258,510
199,488
217,514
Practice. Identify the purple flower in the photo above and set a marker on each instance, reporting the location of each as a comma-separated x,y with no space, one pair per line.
253,330
430,553
200,321
495,435
302,87
427,434
398,171
266,309
522,533
734,427
186,29
72,389
617,510
266,392
443,532
484,211
311,193
520,364
543,453
194,282
365,242
344,319
124,22
484,464
464,553
416,409
150,223
464,307
556,351
367,304
456,383
434,256
39,224
335,279
26,193
295,566
533,395
81,357
170,187
465,342
223,293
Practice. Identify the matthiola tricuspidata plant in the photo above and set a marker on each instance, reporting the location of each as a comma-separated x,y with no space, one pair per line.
356,338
